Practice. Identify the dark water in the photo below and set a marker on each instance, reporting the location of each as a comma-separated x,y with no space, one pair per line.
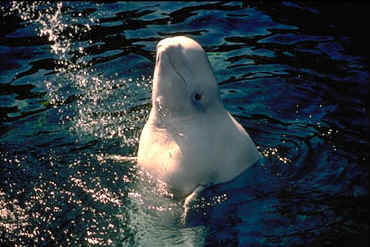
75,84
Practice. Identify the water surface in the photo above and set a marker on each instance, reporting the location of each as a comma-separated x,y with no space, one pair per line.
75,88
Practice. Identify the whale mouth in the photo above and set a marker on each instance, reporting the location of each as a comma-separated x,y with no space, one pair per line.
174,69
165,53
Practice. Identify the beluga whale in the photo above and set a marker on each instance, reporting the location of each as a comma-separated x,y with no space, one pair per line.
190,141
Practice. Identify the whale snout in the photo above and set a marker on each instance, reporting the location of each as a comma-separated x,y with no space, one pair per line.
185,56
174,60
176,45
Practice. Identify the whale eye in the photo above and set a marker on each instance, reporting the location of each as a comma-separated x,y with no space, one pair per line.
197,96
198,101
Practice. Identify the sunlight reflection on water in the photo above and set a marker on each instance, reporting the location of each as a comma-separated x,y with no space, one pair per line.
76,90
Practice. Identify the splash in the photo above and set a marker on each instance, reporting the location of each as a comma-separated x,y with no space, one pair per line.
108,108
157,219
88,102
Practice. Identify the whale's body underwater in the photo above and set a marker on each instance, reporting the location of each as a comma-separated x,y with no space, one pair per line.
190,141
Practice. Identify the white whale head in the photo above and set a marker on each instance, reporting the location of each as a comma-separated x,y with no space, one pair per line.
183,84
189,138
